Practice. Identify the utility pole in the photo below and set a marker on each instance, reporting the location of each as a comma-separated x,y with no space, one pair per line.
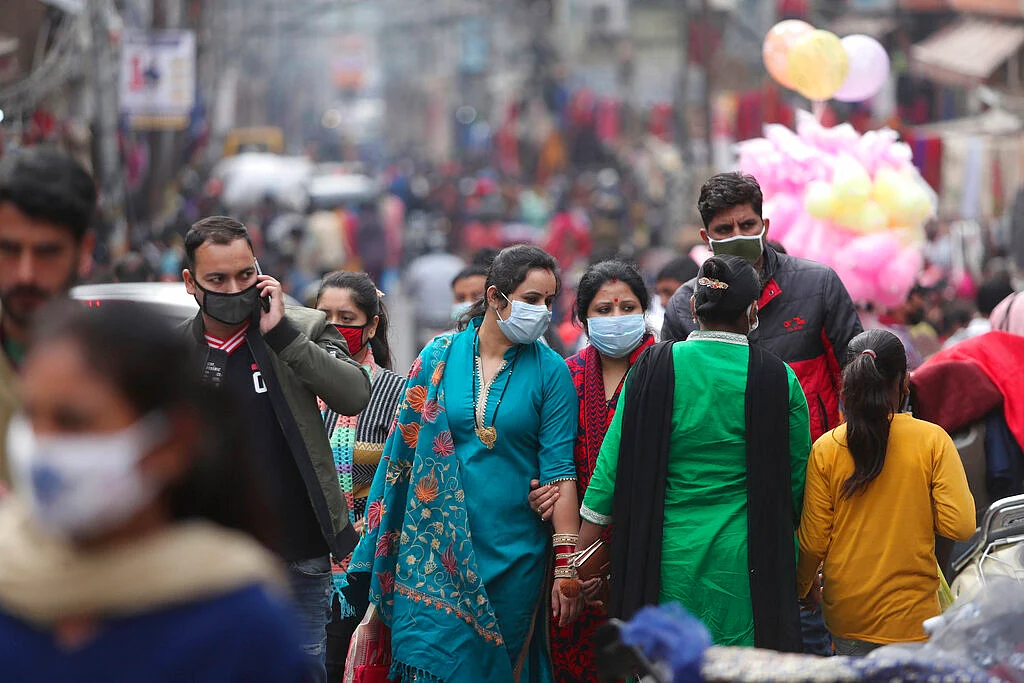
167,15
685,190
105,71
705,58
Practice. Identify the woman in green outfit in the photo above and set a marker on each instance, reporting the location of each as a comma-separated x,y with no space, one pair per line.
702,471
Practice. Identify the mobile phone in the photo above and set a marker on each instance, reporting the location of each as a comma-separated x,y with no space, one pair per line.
264,300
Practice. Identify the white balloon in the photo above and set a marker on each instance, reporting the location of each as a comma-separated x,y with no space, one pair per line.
869,69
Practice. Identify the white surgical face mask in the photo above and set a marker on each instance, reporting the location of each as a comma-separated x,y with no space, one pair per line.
460,309
526,323
79,486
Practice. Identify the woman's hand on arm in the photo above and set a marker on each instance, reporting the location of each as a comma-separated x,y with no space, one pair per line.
589,534
566,519
543,499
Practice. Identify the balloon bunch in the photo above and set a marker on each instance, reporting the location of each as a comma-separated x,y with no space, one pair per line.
854,202
820,66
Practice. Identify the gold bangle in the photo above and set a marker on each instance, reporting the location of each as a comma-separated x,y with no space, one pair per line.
565,539
565,572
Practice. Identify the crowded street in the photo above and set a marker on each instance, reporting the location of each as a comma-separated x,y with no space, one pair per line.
546,341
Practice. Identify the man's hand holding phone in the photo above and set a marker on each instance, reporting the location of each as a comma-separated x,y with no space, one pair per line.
271,300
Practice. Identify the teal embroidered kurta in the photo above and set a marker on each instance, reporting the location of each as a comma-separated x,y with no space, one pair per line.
457,557
536,425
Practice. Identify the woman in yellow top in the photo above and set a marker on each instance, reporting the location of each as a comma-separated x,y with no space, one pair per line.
879,488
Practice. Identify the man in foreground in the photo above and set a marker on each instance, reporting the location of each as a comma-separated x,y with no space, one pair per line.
276,363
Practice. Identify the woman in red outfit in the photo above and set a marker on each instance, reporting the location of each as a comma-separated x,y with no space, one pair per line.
611,302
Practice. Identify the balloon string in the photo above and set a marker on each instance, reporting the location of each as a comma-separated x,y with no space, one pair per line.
818,109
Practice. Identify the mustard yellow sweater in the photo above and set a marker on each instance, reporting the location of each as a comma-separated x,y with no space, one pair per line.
878,547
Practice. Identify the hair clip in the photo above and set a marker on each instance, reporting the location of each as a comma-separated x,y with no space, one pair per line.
869,352
712,284
380,294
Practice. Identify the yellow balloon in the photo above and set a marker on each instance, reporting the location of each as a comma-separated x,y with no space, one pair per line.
873,218
818,65
819,200
850,183
849,214
914,206
889,185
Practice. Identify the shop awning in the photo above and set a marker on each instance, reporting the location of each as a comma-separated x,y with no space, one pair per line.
991,122
967,52
868,25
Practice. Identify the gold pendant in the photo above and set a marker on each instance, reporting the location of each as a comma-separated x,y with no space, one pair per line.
487,435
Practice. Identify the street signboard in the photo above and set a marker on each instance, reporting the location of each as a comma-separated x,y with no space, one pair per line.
351,59
158,79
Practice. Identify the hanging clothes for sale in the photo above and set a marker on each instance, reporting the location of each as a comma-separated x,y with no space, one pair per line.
976,198
660,121
608,121
927,151
954,160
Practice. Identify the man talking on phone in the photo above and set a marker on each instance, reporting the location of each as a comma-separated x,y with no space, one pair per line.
276,362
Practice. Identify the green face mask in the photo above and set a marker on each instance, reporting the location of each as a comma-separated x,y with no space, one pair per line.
747,247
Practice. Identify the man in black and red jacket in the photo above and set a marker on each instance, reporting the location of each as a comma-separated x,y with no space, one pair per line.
806,316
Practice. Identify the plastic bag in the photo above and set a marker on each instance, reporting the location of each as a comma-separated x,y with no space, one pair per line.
369,654
985,633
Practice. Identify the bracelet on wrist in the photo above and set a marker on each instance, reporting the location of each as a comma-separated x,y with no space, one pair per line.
565,539
563,561
565,572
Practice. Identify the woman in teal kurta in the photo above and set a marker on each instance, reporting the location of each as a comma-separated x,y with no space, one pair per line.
704,543
454,558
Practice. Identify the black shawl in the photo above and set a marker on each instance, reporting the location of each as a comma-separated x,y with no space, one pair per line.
638,509
639,503
771,519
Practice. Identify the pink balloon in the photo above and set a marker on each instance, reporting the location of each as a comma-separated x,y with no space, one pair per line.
822,242
868,255
895,281
874,146
797,237
782,210
860,289
869,69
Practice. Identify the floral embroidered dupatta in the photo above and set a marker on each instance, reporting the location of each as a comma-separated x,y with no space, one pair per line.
416,558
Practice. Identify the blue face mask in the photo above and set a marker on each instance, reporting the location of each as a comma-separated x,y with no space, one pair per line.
616,336
459,309
526,323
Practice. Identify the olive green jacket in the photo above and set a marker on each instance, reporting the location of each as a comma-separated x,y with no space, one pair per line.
307,358
9,404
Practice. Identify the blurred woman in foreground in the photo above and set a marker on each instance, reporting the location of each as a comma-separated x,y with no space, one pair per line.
127,552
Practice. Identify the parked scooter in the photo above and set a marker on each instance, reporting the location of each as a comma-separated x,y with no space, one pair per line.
995,550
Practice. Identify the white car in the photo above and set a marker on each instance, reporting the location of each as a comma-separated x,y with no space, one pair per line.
169,298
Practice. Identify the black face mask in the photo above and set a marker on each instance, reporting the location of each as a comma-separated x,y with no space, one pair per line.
230,309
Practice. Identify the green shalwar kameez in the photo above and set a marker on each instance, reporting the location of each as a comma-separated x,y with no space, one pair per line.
704,546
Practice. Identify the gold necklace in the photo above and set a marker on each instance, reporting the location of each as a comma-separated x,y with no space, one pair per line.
488,435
